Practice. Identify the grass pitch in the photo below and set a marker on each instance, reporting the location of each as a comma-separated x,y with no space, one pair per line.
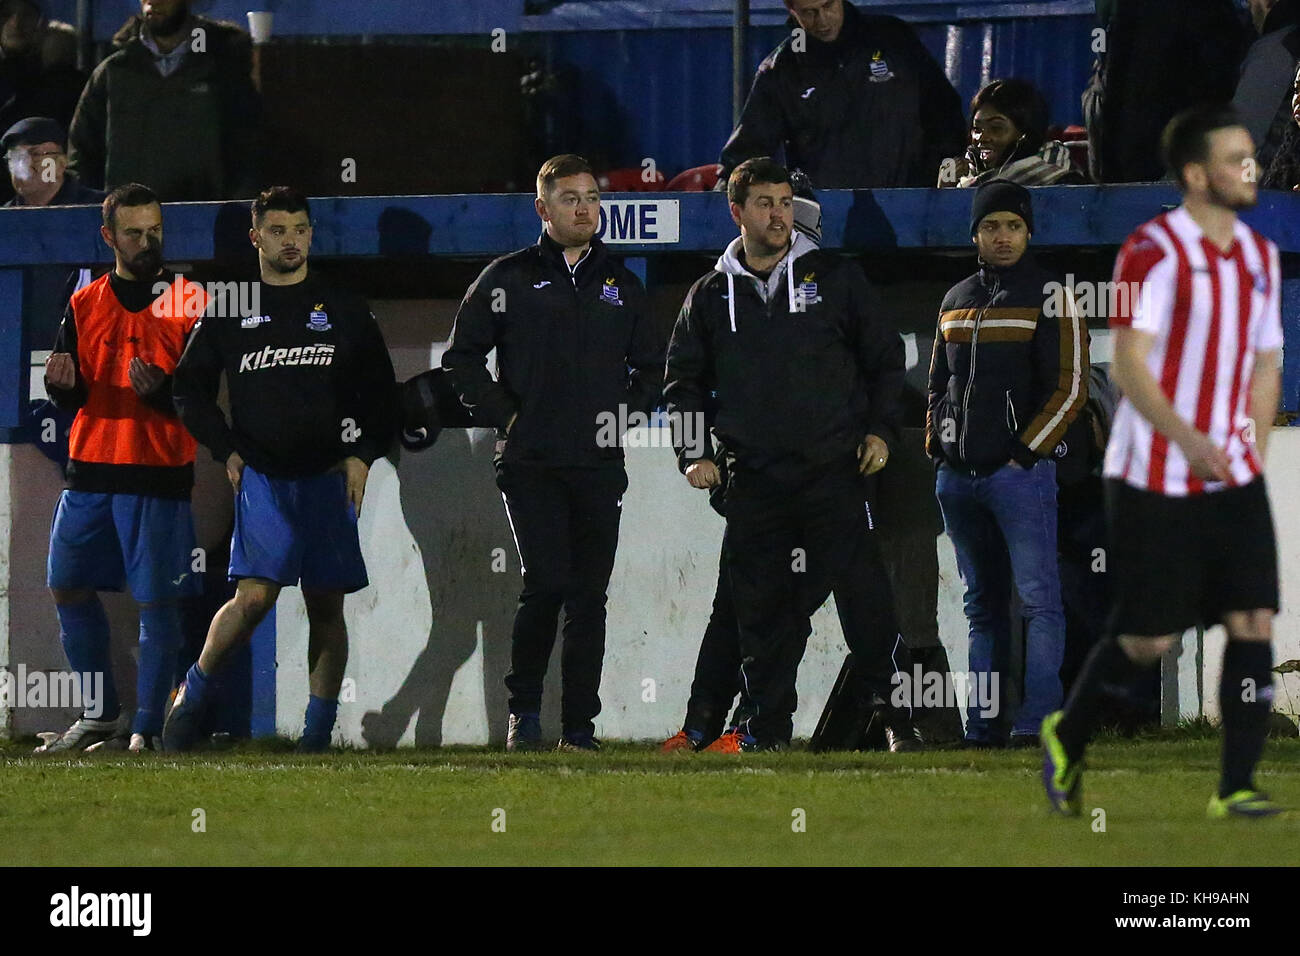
263,805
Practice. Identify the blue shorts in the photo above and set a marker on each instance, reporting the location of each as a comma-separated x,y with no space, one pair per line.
292,529
107,542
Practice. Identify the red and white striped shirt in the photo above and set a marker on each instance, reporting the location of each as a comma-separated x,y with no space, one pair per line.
1210,314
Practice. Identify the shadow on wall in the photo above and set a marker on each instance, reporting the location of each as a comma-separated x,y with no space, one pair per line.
455,514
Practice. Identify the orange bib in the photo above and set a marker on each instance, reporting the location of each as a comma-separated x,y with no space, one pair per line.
115,427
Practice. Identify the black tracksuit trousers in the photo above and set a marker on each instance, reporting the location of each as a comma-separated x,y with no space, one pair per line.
788,545
565,524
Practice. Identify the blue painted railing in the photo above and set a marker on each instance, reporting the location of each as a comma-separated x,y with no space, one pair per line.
487,225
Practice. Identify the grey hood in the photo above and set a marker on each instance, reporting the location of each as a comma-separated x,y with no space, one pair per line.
729,265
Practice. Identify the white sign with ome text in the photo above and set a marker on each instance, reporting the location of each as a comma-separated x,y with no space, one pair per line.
639,220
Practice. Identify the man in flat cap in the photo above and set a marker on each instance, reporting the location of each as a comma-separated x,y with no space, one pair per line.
36,151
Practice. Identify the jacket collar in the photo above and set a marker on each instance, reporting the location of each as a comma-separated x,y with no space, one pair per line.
553,253
67,195
1003,275
729,262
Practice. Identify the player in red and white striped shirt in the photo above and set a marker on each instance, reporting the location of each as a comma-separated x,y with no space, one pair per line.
1203,317
1197,355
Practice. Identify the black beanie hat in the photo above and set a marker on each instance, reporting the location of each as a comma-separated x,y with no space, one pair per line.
1001,195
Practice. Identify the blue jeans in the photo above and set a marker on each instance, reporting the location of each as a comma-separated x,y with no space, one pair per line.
1003,526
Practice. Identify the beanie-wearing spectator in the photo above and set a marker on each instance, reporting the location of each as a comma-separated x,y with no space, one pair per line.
992,428
1263,97
174,107
35,151
1008,140
1161,56
855,100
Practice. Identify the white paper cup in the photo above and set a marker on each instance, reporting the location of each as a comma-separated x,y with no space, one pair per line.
259,25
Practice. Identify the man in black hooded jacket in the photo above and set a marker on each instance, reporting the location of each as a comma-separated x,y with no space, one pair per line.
808,378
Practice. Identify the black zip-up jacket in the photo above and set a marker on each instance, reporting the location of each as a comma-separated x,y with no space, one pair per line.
804,366
1009,371
871,110
310,382
577,353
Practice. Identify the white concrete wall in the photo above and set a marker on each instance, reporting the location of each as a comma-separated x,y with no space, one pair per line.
659,602
437,679
430,636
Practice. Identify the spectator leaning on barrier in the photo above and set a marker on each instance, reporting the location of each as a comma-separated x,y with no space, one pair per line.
313,404
855,100
124,519
35,151
577,354
1008,140
808,375
1263,97
174,105
1006,381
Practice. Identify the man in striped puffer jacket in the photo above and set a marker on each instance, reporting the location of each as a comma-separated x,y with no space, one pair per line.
1008,375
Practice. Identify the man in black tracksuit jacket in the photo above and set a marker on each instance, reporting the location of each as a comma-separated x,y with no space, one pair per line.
577,354
808,379
856,101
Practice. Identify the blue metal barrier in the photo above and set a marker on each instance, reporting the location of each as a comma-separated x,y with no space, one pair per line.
417,17
486,225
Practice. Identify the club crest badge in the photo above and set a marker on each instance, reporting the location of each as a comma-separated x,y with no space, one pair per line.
880,71
609,292
319,320
808,290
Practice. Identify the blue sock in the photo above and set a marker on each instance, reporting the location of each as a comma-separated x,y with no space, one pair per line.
319,724
83,629
160,641
196,686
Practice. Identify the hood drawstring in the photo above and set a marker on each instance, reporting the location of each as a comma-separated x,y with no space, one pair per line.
731,299
729,265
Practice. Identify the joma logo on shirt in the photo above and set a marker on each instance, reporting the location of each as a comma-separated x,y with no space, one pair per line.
271,357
